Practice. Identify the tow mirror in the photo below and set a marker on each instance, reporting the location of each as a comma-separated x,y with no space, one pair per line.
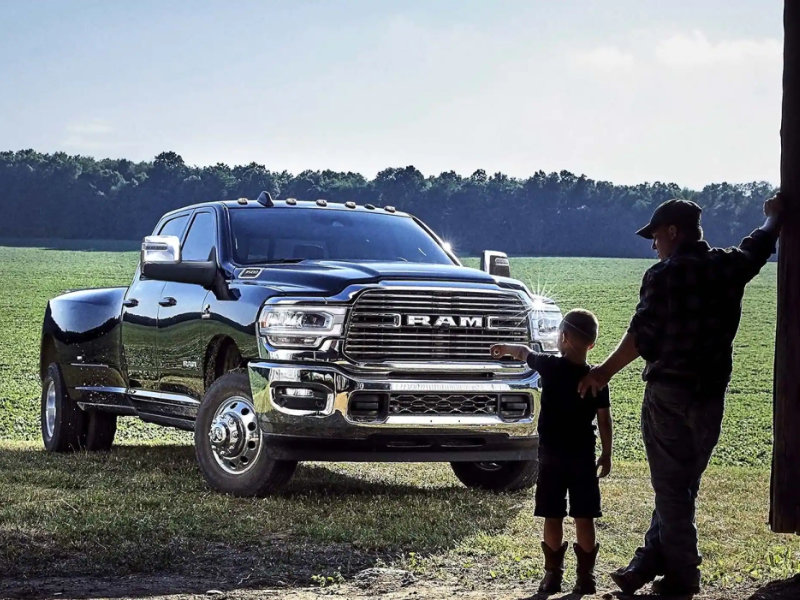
161,260
495,263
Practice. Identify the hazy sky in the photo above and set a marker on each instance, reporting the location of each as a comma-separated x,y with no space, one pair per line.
626,91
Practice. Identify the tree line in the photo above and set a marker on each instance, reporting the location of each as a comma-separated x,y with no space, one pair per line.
547,214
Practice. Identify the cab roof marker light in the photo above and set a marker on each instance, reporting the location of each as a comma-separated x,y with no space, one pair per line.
350,204
369,206
242,200
322,202
265,199
291,201
389,208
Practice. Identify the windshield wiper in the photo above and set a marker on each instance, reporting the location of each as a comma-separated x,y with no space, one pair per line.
282,261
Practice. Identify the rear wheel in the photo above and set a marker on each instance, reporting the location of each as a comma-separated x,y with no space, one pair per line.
229,445
497,476
100,430
63,422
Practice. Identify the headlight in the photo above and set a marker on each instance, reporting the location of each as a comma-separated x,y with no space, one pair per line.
544,325
300,326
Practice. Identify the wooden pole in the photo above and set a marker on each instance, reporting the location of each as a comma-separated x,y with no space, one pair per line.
785,484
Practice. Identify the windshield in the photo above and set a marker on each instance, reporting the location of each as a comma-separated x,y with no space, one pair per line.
282,234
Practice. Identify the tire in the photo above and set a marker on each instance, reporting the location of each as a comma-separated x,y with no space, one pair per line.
236,462
100,430
497,476
62,421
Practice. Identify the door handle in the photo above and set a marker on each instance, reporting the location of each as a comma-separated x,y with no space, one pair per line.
168,301
130,303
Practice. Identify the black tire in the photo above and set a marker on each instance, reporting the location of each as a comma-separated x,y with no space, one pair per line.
100,430
497,476
261,475
65,430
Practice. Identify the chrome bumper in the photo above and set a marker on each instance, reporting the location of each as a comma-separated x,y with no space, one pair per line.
447,437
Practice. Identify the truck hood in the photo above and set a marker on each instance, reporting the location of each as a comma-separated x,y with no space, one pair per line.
331,277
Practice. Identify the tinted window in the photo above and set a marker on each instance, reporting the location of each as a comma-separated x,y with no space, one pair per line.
279,233
174,226
202,237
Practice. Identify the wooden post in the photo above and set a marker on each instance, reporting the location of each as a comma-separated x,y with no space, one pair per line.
785,484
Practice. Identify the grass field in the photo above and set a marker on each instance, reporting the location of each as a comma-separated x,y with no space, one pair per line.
144,508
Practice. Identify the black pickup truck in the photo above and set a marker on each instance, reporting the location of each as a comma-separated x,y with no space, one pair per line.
283,331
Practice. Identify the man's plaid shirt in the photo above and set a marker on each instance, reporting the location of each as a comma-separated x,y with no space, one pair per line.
690,306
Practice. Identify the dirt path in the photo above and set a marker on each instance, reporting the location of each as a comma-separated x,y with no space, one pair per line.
388,584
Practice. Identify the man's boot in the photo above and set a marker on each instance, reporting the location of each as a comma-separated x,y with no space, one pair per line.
585,583
629,579
553,569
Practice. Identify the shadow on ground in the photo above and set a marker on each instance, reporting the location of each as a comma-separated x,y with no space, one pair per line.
66,521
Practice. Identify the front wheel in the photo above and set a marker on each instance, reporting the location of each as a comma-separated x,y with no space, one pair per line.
497,476
229,445
63,422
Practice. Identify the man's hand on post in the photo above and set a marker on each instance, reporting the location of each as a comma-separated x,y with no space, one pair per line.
773,207
594,381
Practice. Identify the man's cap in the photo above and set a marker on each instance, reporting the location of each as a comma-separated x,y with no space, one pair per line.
678,212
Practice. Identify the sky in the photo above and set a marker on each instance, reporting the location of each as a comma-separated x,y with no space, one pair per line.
627,91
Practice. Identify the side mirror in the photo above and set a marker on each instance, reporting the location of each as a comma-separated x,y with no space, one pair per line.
495,263
161,260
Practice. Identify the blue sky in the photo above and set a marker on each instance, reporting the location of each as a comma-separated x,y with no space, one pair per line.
626,91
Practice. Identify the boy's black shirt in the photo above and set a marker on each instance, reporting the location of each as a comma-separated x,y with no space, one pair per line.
566,425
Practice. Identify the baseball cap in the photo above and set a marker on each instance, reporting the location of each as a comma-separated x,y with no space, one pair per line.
682,213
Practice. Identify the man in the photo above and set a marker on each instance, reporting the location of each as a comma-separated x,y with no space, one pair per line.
684,325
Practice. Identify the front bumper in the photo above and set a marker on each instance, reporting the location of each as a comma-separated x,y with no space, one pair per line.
329,433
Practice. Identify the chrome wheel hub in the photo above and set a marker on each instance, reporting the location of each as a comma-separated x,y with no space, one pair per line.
234,435
50,410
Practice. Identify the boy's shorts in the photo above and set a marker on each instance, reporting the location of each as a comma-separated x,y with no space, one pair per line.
573,476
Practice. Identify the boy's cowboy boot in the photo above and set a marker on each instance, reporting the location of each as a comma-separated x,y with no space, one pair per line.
553,569
585,583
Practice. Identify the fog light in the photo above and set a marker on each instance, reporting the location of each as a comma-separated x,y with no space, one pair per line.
305,399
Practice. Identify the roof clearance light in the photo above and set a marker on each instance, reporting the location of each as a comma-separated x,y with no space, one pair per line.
389,208
350,204
322,202
369,206
291,201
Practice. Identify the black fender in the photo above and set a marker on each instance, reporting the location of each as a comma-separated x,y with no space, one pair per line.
82,333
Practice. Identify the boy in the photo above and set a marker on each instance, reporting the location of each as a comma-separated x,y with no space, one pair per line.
567,448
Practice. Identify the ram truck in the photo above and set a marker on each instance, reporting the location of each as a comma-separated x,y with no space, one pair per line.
281,331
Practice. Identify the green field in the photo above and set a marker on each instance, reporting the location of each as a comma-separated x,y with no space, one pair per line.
609,287
144,507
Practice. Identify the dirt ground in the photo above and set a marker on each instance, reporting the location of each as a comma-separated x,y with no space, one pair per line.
389,584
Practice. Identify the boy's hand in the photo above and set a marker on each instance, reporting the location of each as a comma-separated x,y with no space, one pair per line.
604,465
516,351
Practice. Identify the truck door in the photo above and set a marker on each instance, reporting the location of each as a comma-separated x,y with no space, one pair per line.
183,332
140,318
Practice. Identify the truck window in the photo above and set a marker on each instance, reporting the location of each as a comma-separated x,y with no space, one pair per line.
174,226
202,237
280,234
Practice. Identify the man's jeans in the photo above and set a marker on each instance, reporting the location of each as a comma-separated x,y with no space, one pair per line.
680,427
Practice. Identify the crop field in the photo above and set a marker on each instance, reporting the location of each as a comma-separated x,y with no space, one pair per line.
143,507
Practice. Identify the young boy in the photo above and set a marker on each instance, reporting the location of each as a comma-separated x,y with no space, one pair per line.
567,464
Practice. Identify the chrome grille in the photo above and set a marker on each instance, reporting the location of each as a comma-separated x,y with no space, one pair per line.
382,328
443,404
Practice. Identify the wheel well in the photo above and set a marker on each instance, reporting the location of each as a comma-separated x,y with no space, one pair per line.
222,356
47,355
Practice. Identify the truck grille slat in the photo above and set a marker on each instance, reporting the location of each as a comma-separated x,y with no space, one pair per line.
471,322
